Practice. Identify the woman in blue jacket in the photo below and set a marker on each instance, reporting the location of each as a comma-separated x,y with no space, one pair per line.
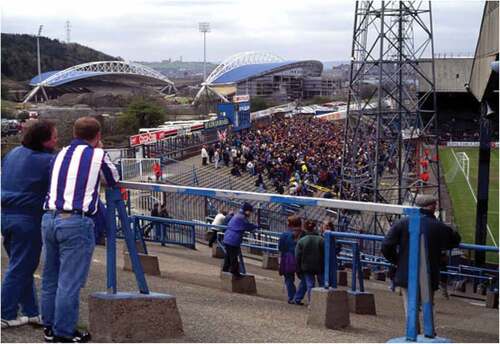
288,266
233,236
25,182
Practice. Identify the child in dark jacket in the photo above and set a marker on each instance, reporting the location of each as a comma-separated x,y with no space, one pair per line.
309,256
288,265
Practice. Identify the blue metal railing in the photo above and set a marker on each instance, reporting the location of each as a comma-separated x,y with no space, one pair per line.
417,242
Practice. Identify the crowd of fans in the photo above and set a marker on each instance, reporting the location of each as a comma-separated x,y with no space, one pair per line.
293,153
299,155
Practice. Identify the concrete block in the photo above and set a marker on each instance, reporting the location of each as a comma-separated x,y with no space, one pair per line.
217,251
138,247
270,262
492,299
482,289
329,308
380,275
150,264
367,272
362,302
342,278
244,285
460,285
133,317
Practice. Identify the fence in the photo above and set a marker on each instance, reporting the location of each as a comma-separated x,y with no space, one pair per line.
418,279
138,169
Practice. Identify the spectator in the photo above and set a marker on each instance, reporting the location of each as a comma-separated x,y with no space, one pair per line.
233,236
439,237
157,171
309,256
211,153
204,155
162,236
155,212
219,220
288,264
25,181
68,229
216,158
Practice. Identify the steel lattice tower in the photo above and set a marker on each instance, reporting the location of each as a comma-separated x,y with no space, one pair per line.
390,152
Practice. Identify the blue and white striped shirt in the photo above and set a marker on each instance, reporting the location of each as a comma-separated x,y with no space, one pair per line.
74,180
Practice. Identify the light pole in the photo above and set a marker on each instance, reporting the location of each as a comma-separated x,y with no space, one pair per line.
38,52
204,27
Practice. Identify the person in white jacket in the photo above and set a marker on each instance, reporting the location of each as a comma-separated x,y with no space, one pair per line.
216,158
204,155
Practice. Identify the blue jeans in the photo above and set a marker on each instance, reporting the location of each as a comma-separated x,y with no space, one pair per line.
68,244
23,244
294,294
309,279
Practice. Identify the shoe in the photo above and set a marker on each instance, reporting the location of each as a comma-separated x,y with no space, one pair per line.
19,321
48,334
36,320
299,303
78,337
291,302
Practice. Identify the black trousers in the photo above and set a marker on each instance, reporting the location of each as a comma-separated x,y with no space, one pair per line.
203,161
231,260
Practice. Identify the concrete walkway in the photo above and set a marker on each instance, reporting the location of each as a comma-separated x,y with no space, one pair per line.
212,315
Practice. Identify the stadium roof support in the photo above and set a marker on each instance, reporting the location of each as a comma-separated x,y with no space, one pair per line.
93,69
233,62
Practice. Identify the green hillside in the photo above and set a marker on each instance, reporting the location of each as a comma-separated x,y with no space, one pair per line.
19,55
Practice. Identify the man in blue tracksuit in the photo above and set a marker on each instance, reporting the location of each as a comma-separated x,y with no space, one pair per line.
25,181
233,237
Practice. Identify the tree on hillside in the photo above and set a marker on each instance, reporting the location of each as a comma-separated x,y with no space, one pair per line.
142,113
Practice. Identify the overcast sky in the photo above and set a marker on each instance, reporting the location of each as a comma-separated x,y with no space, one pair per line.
153,30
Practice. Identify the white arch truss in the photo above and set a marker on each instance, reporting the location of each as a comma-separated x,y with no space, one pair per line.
105,67
100,68
242,59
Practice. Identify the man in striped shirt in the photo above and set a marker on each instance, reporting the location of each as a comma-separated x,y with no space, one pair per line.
68,228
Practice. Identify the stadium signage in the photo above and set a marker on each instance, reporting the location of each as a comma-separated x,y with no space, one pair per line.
216,123
241,98
468,144
155,136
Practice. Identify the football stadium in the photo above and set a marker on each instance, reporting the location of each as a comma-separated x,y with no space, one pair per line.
372,218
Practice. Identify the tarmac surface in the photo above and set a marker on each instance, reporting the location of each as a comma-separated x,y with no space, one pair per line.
210,314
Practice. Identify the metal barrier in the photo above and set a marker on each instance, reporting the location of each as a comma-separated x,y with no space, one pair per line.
418,277
139,170
164,231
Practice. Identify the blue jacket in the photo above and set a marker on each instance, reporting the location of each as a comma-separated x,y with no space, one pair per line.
286,243
25,180
235,229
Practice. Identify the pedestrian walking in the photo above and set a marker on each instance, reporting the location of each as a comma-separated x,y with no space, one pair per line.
440,236
68,228
204,155
309,256
25,181
216,158
288,264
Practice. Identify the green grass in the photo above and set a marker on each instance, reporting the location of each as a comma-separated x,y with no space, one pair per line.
464,205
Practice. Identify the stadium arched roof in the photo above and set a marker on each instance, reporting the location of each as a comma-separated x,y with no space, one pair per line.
99,68
247,65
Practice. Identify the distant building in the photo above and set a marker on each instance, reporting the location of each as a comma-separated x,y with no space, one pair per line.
268,76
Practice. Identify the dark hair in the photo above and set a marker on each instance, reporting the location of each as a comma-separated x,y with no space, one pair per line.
294,221
309,225
36,133
86,128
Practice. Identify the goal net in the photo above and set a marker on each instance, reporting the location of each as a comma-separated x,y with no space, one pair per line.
463,163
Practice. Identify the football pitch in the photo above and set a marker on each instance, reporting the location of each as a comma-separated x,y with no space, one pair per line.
463,198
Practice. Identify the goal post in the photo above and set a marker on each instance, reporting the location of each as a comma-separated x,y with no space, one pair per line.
464,164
